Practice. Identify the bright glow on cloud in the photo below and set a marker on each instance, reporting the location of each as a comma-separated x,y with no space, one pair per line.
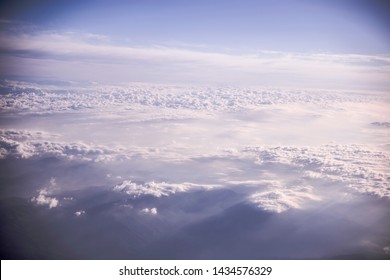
155,189
282,199
362,169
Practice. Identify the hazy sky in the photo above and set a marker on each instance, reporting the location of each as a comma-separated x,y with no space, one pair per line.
336,44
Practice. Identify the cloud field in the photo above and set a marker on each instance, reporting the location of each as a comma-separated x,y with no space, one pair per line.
151,167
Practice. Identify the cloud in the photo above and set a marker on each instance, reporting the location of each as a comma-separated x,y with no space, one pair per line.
381,124
27,144
282,199
77,56
289,174
277,195
359,168
17,142
362,168
156,189
44,199
149,211
79,213
44,99
44,196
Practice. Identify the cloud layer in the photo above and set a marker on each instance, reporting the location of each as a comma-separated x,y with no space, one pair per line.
178,127
43,99
73,56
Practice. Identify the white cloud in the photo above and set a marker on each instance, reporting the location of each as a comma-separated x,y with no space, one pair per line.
44,198
359,168
282,199
27,144
45,195
79,213
31,98
362,168
75,56
156,189
149,211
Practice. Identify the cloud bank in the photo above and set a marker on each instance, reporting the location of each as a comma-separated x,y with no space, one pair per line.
74,56
92,98
275,178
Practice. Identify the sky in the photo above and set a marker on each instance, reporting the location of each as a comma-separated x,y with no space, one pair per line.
183,130
323,44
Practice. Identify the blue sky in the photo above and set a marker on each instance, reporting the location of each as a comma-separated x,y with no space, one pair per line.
274,43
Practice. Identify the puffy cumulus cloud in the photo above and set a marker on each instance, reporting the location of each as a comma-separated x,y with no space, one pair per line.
362,168
149,211
27,144
150,188
41,99
43,198
17,142
282,199
156,189
10,147
79,213
23,135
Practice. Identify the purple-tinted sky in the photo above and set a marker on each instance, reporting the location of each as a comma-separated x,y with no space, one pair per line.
338,44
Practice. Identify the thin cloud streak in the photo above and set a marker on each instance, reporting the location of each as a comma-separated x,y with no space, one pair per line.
94,57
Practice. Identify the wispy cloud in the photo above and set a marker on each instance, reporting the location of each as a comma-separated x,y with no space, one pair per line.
94,57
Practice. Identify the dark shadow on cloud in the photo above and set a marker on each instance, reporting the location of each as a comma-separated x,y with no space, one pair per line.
36,232
198,224
112,224
381,124
222,236
187,226
245,232
27,233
